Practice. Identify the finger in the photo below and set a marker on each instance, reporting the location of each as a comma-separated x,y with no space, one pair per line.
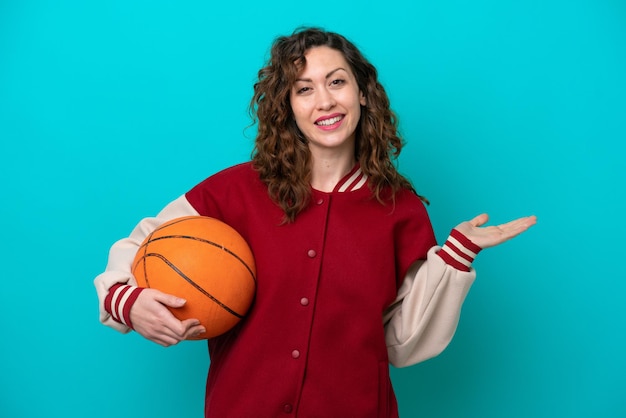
169,334
192,328
520,223
166,336
178,329
479,220
194,331
166,341
517,226
166,324
170,300
189,323
160,335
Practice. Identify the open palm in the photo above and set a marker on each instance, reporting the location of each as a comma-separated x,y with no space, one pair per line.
489,236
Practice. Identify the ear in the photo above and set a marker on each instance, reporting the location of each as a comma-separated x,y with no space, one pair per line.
362,98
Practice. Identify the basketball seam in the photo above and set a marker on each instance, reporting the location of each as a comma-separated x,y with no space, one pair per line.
143,260
191,282
206,241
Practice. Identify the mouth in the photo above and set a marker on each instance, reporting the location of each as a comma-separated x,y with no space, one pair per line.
328,121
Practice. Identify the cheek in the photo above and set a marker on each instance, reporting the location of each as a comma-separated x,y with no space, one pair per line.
356,99
299,111
357,108
356,112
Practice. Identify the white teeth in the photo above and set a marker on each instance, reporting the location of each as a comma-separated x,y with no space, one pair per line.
327,122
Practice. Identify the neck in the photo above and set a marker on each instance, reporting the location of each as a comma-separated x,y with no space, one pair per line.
326,172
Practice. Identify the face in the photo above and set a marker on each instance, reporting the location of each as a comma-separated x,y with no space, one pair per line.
326,101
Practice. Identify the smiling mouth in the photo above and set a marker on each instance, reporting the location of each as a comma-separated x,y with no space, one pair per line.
330,121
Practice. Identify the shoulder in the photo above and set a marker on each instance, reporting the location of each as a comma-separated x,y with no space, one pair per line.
402,210
241,170
238,174
405,202
227,185
414,234
412,218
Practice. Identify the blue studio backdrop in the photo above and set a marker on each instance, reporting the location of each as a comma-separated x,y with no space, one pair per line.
109,110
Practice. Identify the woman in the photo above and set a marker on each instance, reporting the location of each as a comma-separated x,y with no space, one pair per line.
349,276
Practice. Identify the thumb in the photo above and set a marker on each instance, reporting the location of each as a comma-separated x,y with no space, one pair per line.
170,300
479,220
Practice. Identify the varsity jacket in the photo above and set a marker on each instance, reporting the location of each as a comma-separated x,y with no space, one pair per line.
349,287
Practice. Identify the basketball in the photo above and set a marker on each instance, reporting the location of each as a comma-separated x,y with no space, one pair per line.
204,261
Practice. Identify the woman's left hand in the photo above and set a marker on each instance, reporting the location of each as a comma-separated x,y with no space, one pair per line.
490,236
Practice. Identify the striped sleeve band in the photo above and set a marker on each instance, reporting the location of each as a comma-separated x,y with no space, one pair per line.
458,251
119,300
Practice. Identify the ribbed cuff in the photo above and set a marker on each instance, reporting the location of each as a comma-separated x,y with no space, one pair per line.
119,300
458,251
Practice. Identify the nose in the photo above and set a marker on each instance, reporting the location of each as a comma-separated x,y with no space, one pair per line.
325,99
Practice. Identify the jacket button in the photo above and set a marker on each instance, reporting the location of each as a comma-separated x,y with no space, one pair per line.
304,301
288,408
311,253
295,354
320,201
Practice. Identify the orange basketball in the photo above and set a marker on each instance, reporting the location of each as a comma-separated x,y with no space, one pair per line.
204,261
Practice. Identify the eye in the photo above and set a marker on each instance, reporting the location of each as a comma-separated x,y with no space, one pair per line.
303,90
338,82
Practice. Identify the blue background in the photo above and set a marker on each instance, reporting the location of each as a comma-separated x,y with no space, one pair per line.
109,110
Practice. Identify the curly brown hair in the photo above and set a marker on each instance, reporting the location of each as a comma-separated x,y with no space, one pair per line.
281,154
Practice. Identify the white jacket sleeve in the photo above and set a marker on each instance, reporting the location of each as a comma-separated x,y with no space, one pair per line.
423,319
122,254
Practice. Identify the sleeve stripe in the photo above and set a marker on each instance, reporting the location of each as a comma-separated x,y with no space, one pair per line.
120,300
115,296
466,242
119,303
109,301
458,251
450,257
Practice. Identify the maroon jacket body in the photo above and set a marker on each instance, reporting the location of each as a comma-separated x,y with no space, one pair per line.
313,343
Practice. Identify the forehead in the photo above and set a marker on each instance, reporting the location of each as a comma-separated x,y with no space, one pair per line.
320,60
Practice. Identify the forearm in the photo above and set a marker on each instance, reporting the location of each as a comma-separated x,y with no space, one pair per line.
121,256
424,317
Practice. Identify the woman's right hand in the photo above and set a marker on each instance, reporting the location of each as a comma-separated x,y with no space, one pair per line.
151,318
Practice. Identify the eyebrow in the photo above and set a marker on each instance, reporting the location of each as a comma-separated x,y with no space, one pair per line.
308,80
